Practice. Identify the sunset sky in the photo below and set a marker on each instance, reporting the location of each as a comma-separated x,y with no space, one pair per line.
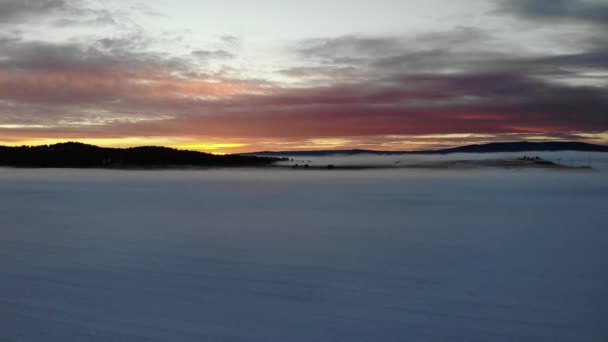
228,76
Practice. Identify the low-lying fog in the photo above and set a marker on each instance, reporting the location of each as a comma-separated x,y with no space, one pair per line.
596,160
304,255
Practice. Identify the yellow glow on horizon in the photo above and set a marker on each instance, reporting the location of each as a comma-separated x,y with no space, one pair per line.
21,126
326,143
174,142
104,142
603,136
235,145
209,146
181,143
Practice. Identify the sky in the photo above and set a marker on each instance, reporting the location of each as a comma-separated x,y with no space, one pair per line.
240,76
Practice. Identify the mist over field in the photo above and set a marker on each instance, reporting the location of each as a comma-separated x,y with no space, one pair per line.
597,160
305,255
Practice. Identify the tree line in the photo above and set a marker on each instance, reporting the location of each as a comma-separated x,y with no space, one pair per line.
80,155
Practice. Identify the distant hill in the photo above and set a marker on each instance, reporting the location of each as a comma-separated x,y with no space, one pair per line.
79,155
523,146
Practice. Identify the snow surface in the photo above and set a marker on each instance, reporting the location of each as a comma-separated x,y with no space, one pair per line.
295,255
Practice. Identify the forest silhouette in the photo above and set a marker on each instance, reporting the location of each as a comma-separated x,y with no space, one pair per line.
73,154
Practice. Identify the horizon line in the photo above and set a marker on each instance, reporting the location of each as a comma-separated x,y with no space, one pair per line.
316,150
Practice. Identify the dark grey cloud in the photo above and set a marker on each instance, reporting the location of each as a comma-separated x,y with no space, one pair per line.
357,48
56,12
340,74
593,11
212,54
594,59
463,48
351,49
441,60
95,56
15,10
124,46
88,17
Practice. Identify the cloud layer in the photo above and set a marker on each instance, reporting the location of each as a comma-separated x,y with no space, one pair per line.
594,11
357,89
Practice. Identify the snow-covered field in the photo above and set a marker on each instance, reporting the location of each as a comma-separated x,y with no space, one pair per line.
295,255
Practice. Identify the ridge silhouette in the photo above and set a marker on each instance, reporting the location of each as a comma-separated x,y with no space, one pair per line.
73,154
